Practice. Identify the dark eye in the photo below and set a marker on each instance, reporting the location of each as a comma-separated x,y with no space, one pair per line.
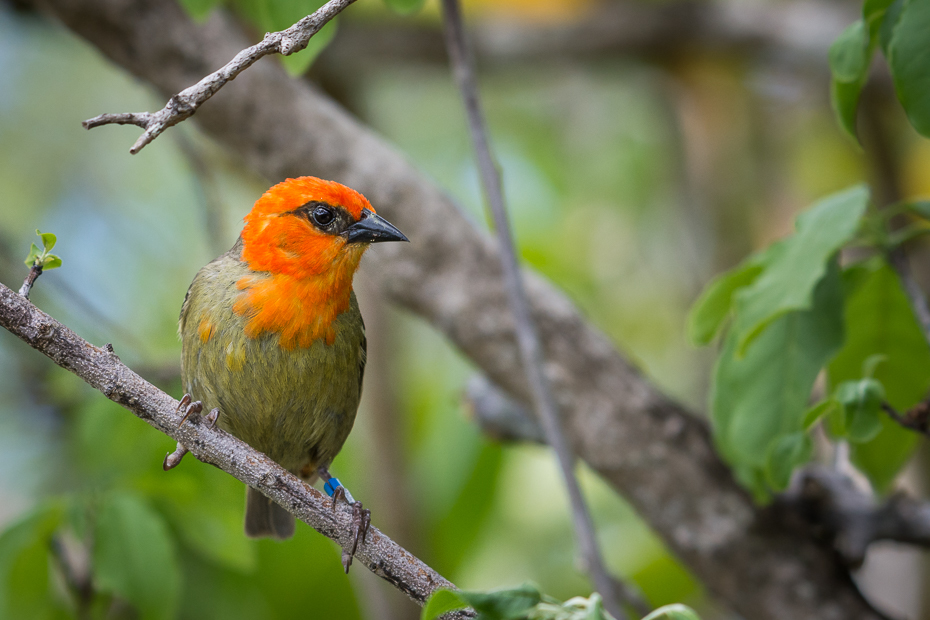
323,216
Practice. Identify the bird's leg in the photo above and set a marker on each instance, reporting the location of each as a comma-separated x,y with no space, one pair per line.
361,517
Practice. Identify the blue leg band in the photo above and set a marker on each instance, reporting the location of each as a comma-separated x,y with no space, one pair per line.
331,485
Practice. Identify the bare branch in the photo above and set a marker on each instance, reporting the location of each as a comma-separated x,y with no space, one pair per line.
34,272
183,105
614,592
103,370
851,519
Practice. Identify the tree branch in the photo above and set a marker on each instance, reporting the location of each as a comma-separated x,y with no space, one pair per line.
647,447
183,105
613,592
103,370
852,520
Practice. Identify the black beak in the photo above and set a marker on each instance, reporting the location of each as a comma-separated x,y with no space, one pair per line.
372,228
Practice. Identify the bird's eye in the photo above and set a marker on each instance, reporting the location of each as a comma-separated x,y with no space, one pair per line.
323,216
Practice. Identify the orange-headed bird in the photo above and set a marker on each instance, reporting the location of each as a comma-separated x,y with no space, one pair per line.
272,335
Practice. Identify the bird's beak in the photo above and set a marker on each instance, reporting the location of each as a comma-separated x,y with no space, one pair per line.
372,228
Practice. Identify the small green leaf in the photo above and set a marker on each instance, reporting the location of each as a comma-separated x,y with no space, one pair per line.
504,604
48,240
596,608
785,454
51,262
849,53
442,602
712,307
909,60
134,557
861,402
405,7
818,411
34,253
844,98
673,612
888,23
790,277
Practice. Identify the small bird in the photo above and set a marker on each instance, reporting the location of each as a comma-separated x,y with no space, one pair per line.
273,338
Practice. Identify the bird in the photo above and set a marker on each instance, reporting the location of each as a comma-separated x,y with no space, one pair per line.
273,341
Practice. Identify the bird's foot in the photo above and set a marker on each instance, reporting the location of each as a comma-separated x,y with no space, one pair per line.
196,407
173,459
361,516
189,406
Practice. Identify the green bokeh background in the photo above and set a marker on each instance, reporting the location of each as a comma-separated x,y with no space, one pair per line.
606,202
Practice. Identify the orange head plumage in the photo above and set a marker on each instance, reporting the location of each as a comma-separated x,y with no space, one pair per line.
303,241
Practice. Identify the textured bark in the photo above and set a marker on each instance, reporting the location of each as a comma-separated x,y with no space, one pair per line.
644,445
102,369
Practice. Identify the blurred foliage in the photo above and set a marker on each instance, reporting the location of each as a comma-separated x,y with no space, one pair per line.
629,197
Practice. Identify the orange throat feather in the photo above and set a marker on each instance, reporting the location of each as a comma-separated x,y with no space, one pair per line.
299,285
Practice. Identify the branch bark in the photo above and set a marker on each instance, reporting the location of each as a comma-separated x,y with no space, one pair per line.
647,447
103,370
183,105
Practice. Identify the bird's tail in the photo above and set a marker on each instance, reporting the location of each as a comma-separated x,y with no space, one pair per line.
265,519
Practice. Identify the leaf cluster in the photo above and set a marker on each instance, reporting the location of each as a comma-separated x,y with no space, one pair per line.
528,603
43,257
792,311
899,29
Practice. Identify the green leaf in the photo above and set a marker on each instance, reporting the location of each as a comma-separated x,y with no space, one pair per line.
504,604
879,321
761,396
862,402
888,23
909,59
712,307
48,240
874,9
673,612
791,275
199,10
596,608
442,602
405,7
786,453
134,557
34,253
849,53
24,564
844,97
51,262
819,411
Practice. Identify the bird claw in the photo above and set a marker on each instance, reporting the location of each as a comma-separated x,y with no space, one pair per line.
361,522
173,459
213,416
190,407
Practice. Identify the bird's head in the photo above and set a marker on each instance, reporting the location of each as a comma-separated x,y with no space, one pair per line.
307,227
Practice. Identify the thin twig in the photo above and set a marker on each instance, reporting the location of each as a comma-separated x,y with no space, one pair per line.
612,591
183,105
34,274
103,370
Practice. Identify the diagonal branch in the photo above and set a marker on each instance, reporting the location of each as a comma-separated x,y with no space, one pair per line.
463,68
183,105
103,370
